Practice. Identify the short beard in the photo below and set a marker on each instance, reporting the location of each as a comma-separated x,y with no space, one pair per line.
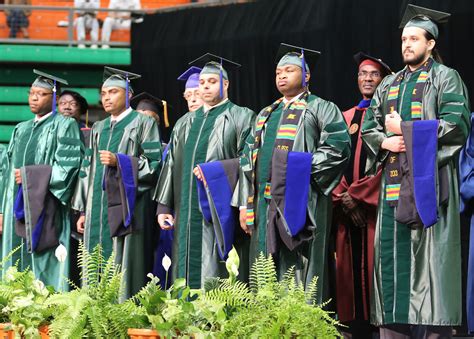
417,61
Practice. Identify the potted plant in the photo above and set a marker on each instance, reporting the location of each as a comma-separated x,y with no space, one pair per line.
6,330
22,303
266,308
24,299
178,311
94,310
269,308
169,312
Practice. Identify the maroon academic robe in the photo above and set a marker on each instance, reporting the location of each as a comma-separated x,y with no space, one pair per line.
354,245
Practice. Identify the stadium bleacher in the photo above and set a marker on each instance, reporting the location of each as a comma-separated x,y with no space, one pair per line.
81,67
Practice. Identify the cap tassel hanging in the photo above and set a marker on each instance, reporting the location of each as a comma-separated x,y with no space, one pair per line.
165,113
54,97
303,67
87,119
221,82
127,89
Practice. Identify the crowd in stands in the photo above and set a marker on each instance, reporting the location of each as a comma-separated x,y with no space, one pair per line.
88,22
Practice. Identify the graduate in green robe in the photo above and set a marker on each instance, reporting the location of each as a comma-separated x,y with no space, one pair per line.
3,170
288,208
417,278
136,136
47,139
215,131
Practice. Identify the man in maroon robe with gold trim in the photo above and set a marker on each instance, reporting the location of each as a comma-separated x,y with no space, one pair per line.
355,202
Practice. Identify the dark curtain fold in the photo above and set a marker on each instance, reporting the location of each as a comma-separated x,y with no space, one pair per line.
250,33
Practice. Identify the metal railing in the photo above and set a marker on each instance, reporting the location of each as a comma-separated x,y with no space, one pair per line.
70,26
70,41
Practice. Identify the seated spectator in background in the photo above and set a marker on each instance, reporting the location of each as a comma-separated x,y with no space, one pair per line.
18,18
74,105
118,20
87,20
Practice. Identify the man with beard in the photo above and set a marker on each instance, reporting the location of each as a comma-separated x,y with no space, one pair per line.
44,157
296,154
216,131
416,125
355,202
125,145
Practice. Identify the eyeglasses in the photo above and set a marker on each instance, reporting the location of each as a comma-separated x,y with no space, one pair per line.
190,94
38,94
71,103
371,75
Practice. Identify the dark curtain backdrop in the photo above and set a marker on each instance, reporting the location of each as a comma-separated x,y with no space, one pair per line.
250,34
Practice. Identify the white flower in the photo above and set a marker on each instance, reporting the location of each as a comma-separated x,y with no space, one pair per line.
23,302
235,269
233,262
166,262
61,253
38,285
11,273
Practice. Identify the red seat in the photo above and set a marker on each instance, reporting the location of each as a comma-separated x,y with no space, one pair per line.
43,24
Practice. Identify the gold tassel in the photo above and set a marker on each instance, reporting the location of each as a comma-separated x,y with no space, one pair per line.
165,113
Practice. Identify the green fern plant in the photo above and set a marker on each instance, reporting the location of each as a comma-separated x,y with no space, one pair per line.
6,291
94,310
263,274
276,309
228,308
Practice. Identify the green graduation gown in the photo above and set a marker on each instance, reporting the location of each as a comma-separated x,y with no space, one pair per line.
3,169
417,272
135,135
54,141
323,133
200,137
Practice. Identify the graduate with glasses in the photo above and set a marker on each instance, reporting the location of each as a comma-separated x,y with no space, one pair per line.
44,157
355,210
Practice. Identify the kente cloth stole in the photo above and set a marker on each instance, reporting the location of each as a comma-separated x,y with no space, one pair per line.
393,173
284,140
